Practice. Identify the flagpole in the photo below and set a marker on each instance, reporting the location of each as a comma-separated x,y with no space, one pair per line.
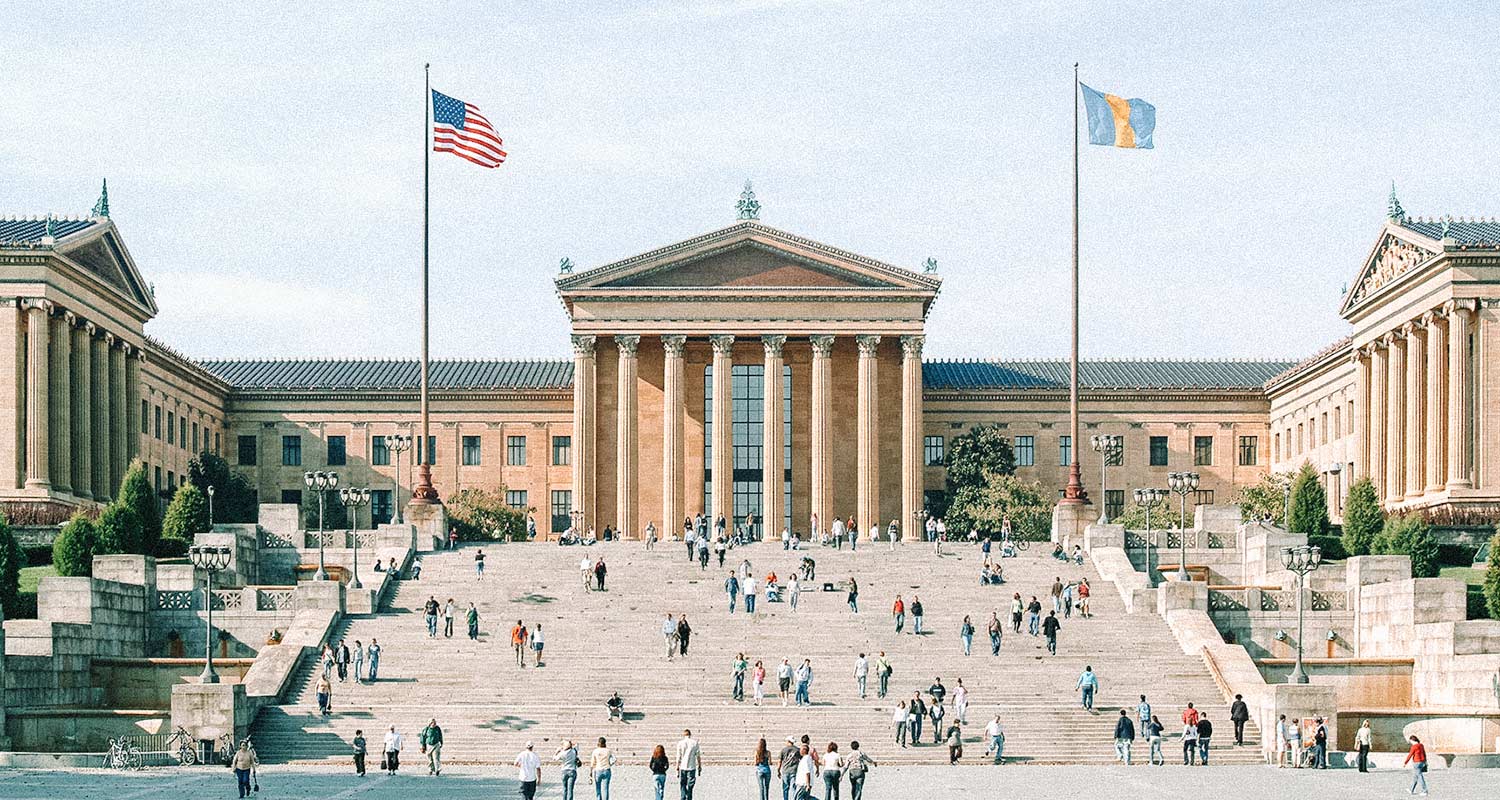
1074,494
423,492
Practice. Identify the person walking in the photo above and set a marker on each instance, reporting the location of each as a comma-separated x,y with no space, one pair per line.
966,634
758,682
1068,600
391,749
1016,608
994,733
243,762
359,661
599,572
1189,743
1050,627
658,766
472,618
601,763
586,571
793,591
1417,758
1205,732
568,761
740,668
479,565
538,641
732,588
882,674
1083,599
1154,729
936,712
518,637
784,679
861,674
1143,713
1124,737
1088,684
916,615
669,633
833,772
449,609
651,534
1034,616
1056,593
853,595
689,764
899,717
529,771
684,633
360,748
916,714
1320,744
804,677
961,703
325,696
892,533
341,660
431,743
807,767
856,768
373,651
786,766
898,610
995,630
1239,714
430,614
1363,738
1294,743
761,761
750,588
703,553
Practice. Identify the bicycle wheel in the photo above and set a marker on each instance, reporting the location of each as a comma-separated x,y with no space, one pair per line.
1021,544
186,756
133,758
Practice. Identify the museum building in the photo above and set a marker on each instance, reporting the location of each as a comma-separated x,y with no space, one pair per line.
747,371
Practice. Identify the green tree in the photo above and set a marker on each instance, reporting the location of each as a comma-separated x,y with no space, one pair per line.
137,495
234,497
983,507
1266,499
1309,503
335,516
1410,535
1363,518
73,549
1163,515
1492,579
187,514
117,531
481,514
974,456
10,571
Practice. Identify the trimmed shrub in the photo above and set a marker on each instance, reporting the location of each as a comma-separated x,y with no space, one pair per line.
1410,535
187,515
1332,546
36,555
1363,518
73,550
1309,503
10,571
136,495
117,531
1451,554
171,547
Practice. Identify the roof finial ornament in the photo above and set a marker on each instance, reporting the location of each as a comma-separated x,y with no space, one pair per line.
101,208
49,237
748,206
1394,210
929,266
1446,223
565,266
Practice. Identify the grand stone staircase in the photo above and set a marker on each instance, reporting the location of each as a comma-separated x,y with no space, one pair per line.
598,643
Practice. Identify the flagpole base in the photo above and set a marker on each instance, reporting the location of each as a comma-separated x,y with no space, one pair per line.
1074,493
424,494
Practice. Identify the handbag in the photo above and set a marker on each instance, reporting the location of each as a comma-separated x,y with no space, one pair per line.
255,779
384,764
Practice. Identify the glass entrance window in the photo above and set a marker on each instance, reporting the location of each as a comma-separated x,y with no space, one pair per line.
747,423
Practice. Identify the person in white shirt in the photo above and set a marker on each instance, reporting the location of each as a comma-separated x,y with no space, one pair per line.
586,569
784,679
786,539
805,770
689,764
861,673
898,718
837,532
747,585
793,591
669,632
1363,738
392,750
529,769
961,703
996,734
931,528
600,763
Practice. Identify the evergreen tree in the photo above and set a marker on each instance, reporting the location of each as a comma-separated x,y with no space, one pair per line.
10,570
234,497
117,531
73,549
1410,535
1309,503
1363,518
1492,579
187,514
137,495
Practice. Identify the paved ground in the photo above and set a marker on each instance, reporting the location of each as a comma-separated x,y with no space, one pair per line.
734,783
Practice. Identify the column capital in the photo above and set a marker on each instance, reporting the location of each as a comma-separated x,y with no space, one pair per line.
1388,339
1460,306
773,343
583,344
1429,318
868,343
628,343
911,345
674,344
723,344
70,318
1408,329
822,344
37,304
109,339
91,328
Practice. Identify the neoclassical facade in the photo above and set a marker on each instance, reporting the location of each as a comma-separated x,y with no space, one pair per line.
748,372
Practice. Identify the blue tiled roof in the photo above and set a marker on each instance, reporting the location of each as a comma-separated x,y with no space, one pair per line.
1472,232
372,374
1164,374
29,230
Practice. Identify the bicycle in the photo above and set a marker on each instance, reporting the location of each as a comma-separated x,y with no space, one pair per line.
180,745
123,755
225,747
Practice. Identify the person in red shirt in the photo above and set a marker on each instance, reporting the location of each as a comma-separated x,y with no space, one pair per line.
899,611
1417,757
1190,716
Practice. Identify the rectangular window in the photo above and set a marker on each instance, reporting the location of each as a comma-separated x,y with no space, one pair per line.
171,481
1301,438
145,416
195,437
1337,430
171,428
291,451
381,511
158,480
248,447
291,496
1064,450
562,509
516,499
472,454
1158,451
1116,456
1114,502
932,451
1025,451
1203,451
182,432
1276,448
1323,429
338,453
562,451
380,455
1249,449
1203,497
429,452
157,429
515,451
217,444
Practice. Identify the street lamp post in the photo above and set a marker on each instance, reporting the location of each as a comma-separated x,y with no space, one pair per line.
352,499
210,507
320,482
1334,468
1300,560
1149,499
1183,484
1107,446
398,444
210,559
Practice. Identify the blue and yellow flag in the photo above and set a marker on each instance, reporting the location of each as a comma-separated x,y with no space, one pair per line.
1113,120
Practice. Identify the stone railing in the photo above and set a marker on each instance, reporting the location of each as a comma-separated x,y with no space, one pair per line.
1228,600
338,539
1329,601
175,601
228,599
276,600
1213,540
1278,600
1272,600
273,540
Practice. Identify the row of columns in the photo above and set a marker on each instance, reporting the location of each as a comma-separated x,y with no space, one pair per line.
1413,433
82,386
867,502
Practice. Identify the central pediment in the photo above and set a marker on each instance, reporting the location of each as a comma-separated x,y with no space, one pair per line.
744,265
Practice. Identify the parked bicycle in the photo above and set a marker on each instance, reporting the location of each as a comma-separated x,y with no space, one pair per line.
180,745
123,755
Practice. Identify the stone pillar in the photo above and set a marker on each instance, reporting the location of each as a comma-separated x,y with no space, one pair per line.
38,408
133,358
1460,409
723,440
62,403
1435,412
911,436
1379,356
99,410
672,419
1416,363
583,426
1395,418
773,440
83,414
118,411
822,444
1360,458
867,454
627,455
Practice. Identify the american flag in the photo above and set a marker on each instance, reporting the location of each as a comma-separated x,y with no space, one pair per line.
459,128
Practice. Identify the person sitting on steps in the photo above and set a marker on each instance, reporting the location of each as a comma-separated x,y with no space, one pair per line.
616,706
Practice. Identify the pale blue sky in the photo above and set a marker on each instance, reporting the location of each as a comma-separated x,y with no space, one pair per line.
265,163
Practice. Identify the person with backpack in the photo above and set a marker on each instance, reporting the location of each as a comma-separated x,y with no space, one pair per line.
518,637
883,671
856,768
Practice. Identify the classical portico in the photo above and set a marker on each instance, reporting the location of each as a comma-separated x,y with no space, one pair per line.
747,373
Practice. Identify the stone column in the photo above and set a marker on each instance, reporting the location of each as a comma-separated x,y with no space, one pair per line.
38,408
117,414
723,440
133,358
773,440
1360,458
867,454
1379,371
583,426
672,511
911,435
1435,413
83,414
1416,363
627,455
822,445
62,402
1460,409
1395,418
99,408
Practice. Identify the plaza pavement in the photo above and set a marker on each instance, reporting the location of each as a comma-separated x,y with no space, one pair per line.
735,783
